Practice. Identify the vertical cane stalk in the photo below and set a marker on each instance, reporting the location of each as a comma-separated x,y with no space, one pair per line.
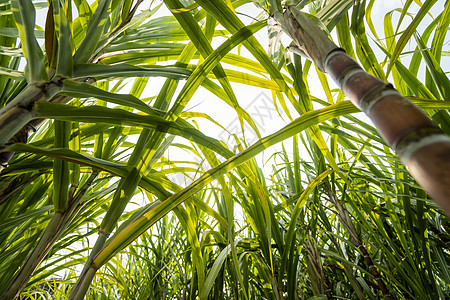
345,219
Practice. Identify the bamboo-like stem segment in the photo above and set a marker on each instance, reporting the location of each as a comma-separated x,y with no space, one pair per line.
82,285
89,270
418,141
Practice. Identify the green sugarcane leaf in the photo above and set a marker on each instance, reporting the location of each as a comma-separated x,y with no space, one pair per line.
123,71
75,145
399,84
64,65
407,34
144,56
126,189
183,9
83,90
332,12
96,114
248,79
11,51
197,77
13,74
213,59
440,79
150,183
411,80
61,170
214,272
84,13
190,229
14,32
363,50
94,32
20,219
71,156
369,19
141,47
25,16
244,62
441,31
344,36
289,239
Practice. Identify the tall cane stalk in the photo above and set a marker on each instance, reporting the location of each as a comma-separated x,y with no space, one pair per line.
417,140
345,219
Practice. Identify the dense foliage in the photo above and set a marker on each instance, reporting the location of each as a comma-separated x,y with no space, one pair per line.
331,214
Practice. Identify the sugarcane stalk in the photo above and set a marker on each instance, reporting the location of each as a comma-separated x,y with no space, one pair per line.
314,265
56,226
36,256
345,219
328,291
417,140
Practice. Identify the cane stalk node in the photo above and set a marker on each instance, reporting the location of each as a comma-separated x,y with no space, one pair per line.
417,140
374,95
309,38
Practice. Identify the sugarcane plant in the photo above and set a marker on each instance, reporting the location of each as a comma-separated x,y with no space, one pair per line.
86,130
